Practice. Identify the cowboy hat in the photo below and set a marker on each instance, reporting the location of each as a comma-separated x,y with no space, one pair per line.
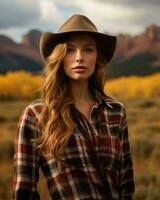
77,23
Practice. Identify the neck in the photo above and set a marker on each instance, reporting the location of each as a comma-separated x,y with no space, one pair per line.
80,91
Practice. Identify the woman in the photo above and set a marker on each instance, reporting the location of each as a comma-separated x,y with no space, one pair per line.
76,133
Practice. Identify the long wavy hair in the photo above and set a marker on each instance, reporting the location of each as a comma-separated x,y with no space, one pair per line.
55,120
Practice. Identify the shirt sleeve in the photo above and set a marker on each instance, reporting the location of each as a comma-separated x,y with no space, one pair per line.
126,171
26,159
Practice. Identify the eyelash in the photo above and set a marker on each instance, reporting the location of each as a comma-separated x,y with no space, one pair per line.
69,50
89,49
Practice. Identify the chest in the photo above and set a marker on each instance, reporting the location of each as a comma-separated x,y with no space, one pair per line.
103,129
86,109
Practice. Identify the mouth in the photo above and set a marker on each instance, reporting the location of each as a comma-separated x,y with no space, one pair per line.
79,67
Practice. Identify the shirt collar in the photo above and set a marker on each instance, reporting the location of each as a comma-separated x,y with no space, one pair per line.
100,98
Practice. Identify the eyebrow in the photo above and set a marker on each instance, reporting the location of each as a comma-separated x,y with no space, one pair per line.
85,45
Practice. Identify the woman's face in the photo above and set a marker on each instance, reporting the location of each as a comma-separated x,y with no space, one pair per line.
80,59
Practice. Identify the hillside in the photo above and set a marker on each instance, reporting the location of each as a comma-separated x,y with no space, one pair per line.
20,56
135,55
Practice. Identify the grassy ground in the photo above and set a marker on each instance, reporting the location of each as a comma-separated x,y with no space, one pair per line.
144,131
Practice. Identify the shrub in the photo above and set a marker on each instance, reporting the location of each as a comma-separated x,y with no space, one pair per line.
2,119
155,158
146,178
153,193
146,104
140,193
6,149
142,147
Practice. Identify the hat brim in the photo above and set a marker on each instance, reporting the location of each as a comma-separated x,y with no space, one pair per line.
48,41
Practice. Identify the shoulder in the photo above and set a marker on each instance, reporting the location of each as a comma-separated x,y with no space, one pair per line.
28,127
113,103
115,110
108,101
32,110
36,107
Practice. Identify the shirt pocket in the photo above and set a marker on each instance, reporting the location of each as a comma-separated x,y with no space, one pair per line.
109,128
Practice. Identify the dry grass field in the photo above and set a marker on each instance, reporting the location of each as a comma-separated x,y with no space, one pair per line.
144,132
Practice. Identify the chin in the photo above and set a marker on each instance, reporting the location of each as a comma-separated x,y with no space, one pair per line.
80,78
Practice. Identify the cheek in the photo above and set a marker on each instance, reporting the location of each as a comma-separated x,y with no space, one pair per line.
92,62
67,62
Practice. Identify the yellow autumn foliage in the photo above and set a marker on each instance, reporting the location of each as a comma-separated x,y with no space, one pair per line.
134,86
19,85
23,84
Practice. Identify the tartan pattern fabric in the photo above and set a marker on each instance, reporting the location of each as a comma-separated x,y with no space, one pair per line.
78,179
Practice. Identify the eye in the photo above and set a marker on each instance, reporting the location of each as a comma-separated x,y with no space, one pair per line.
89,49
70,49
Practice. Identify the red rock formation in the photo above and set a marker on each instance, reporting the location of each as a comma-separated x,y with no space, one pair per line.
149,41
31,38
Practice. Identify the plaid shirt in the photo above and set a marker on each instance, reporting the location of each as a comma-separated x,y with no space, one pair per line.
78,180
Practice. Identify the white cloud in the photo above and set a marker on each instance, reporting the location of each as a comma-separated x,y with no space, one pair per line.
19,16
14,33
67,3
18,13
130,3
120,15
107,17
50,14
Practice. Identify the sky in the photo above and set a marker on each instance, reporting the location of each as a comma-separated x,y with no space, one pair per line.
17,17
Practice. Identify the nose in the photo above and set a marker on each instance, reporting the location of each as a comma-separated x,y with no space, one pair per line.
79,56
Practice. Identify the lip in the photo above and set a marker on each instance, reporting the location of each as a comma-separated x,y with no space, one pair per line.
80,67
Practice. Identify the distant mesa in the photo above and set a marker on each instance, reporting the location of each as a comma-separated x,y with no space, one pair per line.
135,55
6,41
31,39
21,56
149,41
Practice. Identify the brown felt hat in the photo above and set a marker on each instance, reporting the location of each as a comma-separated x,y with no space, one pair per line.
77,23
